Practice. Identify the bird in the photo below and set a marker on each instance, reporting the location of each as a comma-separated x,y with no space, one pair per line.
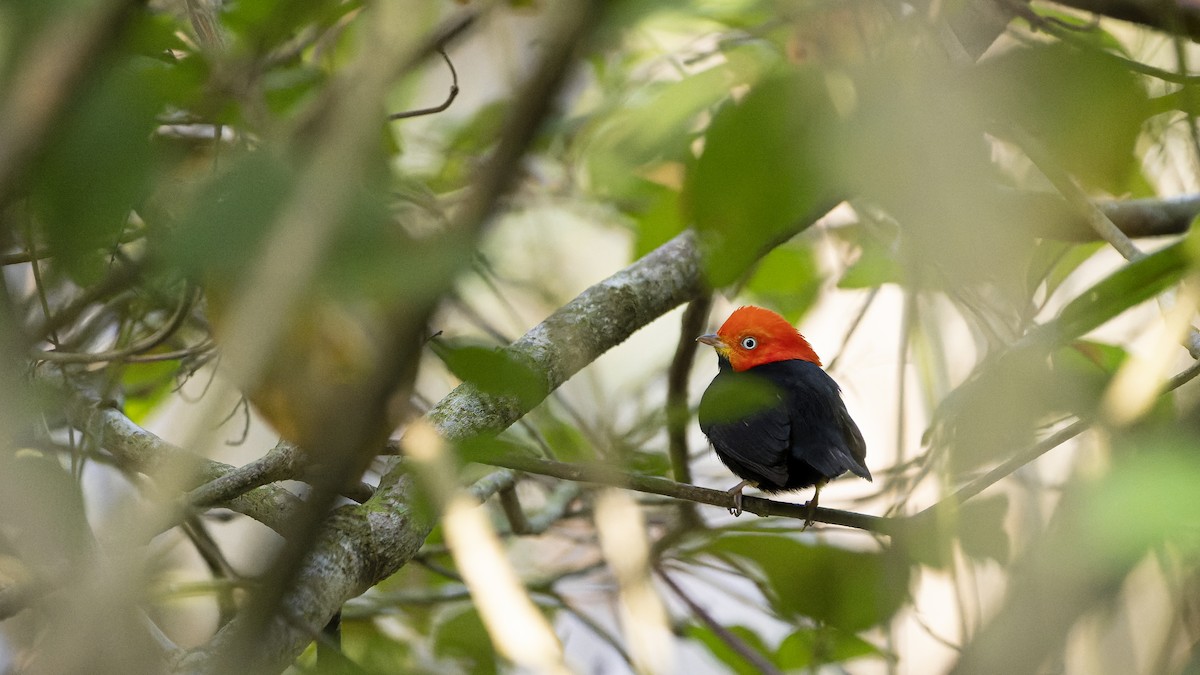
772,414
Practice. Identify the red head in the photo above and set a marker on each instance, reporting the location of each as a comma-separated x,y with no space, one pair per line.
752,336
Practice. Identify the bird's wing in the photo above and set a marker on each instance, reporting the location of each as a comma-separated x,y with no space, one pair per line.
746,419
823,433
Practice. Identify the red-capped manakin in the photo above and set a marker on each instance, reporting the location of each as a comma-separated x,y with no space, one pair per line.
775,418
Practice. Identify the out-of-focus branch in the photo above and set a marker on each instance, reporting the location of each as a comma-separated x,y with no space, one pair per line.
1181,18
283,462
1055,218
760,663
142,451
678,376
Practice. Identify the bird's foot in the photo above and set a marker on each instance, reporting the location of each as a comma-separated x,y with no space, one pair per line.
736,491
810,510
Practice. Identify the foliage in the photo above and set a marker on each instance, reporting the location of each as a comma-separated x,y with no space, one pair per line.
206,200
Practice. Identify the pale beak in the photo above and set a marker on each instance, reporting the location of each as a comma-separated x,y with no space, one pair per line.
712,340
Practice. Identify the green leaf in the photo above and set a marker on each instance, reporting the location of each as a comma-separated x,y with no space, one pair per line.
658,216
787,279
1147,499
721,649
1052,262
462,636
765,169
98,166
1131,285
146,385
1069,98
732,399
981,529
813,646
494,371
222,233
876,264
657,123
850,590
373,651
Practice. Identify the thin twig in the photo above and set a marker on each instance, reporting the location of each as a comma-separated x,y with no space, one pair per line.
1075,196
511,504
437,108
692,324
738,645
1009,466
144,345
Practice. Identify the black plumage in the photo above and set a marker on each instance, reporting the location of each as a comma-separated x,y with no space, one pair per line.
781,426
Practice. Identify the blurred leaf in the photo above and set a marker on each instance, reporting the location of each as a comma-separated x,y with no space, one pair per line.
477,448
467,143
809,647
286,88
731,399
850,590
1148,498
373,651
724,653
977,527
222,233
876,264
494,371
1053,261
567,441
657,122
268,24
1085,28
42,512
1068,98
981,529
658,215
765,169
98,166
1131,285
648,463
787,279
916,150
146,385
462,636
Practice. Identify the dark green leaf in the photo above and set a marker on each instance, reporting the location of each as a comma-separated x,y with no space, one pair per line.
1131,285
462,636
222,234
765,169
981,529
656,123
494,371
1068,98
850,590
787,279
814,646
98,166
730,399
726,654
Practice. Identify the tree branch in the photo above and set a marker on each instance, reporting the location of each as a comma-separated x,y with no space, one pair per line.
602,474
1179,18
677,386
